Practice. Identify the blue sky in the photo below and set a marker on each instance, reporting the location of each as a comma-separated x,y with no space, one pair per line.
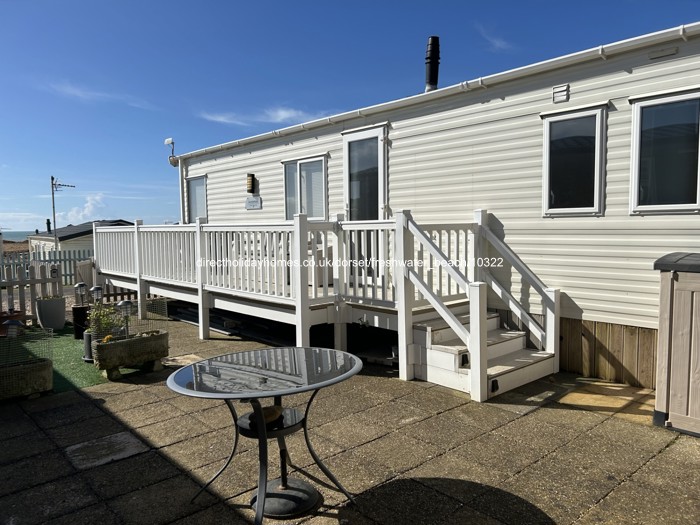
90,89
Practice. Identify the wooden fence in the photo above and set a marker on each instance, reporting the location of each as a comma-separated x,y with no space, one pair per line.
14,290
84,272
66,258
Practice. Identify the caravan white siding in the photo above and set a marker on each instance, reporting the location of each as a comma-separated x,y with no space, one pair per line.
482,149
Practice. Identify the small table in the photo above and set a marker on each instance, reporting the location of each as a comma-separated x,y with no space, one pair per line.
270,373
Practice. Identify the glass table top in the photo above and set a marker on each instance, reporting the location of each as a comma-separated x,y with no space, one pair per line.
266,372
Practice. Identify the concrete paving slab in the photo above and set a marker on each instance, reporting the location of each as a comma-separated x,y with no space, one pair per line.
85,430
114,403
162,502
398,452
539,435
563,492
32,471
394,415
466,514
435,400
354,430
94,514
509,509
615,429
635,503
106,389
51,401
567,417
172,431
19,425
130,474
215,418
66,415
143,415
485,415
356,472
201,450
406,501
95,452
240,476
600,403
451,475
500,453
591,452
639,413
196,404
39,504
215,515
446,431
24,446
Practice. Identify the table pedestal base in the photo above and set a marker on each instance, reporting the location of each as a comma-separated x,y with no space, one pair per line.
298,498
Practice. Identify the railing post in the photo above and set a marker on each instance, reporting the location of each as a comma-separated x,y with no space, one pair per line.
552,326
340,326
202,294
477,342
403,252
301,279
479,247
140,283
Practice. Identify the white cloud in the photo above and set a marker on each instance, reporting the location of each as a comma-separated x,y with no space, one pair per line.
89,211
68,89
274,115
223,118
496,44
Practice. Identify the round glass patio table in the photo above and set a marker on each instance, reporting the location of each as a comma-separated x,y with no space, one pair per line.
270,373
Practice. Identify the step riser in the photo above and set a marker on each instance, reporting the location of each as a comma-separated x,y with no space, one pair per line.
447,334
449,379
521,376
506,347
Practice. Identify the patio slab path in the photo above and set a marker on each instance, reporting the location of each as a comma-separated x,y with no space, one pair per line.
563,450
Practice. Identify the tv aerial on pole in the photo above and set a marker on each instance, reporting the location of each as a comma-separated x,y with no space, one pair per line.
56,186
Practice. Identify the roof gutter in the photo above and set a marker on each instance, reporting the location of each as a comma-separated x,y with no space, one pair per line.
603,52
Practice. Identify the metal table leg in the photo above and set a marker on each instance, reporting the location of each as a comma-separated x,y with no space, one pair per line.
318,461
229,404
283,497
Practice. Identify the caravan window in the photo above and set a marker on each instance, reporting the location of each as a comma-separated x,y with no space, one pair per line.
305,188
196,198
573,163
665,155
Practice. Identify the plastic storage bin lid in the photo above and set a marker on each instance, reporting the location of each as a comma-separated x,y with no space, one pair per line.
679,262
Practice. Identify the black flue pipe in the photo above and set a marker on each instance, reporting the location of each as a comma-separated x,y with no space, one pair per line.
432,63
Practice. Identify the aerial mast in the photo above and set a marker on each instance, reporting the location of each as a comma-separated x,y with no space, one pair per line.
56,186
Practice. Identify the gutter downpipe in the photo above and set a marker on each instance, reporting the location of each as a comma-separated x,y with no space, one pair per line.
181,176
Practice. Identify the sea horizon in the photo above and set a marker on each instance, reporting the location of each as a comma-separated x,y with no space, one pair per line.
16,235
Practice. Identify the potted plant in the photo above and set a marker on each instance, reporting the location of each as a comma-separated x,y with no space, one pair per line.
51,312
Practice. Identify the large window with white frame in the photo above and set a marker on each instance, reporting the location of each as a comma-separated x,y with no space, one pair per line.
196,198
573,163
665,149
305,188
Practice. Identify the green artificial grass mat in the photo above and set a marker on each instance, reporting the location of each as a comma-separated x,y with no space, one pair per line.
70,372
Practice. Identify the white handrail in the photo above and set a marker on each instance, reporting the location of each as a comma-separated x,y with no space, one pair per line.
436,252
512,259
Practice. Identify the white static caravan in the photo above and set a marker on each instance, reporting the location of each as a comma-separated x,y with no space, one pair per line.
556,185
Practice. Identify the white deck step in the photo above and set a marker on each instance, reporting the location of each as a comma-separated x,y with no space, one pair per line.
499,342
525,357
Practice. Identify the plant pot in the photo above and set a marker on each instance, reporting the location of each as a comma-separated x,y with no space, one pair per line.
51,313
24,379
132,352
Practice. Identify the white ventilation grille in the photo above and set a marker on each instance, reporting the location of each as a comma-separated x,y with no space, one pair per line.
560,93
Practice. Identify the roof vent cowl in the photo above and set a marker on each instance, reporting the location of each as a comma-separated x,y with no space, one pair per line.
432,63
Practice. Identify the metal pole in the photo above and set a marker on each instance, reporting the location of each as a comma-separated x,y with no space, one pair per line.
53,208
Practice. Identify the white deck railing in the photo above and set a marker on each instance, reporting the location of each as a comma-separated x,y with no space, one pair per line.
394,263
